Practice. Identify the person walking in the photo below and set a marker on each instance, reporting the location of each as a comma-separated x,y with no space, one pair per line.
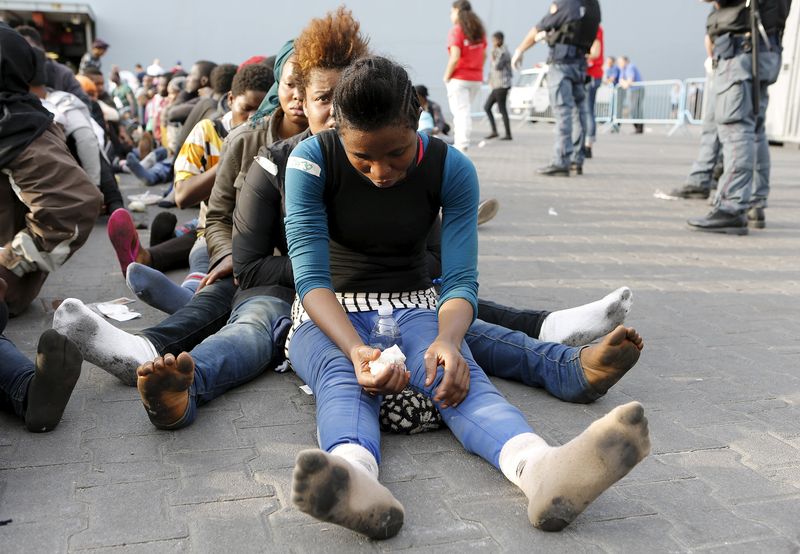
500,75
466,45
570,28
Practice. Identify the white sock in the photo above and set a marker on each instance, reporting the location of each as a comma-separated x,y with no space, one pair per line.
584,324
359,457
102,344
519,450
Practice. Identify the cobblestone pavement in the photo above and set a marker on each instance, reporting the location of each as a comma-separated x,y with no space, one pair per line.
719,380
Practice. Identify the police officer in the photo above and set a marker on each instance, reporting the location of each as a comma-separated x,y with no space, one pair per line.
569,28
744,185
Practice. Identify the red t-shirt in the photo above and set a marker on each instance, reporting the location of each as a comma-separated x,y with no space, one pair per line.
595,65
470,64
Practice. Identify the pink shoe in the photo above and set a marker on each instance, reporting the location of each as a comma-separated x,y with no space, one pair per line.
124,238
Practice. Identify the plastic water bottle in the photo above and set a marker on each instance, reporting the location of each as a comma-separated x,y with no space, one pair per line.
386,332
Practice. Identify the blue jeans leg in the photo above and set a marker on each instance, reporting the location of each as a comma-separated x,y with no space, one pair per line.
237,353
516,356
16,372
346,414
201,317
483,422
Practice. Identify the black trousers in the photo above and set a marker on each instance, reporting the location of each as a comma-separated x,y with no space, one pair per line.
173,253
527,321
498,96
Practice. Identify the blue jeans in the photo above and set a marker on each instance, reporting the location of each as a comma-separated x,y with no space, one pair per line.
515,356
591,124
159,173
237,353
16,372
201,317
483,422
565,85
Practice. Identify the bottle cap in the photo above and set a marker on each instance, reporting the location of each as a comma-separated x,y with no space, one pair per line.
385,309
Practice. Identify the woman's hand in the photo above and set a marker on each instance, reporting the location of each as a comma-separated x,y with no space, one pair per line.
391,380
455,385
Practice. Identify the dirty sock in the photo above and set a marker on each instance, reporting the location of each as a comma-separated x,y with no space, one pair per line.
344,491
560,482
156,289
163,228
583,324
164,387
605,363
124,238
57,368
102,344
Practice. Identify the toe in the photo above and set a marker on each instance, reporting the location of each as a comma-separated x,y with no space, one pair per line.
185,363
145,369
615,337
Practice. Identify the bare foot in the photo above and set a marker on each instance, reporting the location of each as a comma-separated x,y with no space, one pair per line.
604,364
563,481
329,488
164,387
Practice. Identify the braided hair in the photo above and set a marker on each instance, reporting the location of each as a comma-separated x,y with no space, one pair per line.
373,93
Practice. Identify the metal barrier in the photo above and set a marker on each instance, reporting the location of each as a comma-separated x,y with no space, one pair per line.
696,100
672,102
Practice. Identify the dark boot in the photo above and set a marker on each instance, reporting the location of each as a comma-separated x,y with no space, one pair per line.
718,221
690,191
756,218
553,170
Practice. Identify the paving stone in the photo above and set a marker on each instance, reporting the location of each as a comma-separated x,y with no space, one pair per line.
127,513
229,526
36,494
50,536
216,476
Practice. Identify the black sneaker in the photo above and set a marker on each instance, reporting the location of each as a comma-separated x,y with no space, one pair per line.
718,221
756,218
553,170
690,191
578,169
491,135
587,152
507,137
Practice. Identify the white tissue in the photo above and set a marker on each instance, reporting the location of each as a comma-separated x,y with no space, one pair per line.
388,357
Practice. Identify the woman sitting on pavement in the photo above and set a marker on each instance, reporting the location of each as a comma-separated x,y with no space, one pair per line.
360,201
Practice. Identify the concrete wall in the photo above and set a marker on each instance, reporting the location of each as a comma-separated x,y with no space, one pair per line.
663,37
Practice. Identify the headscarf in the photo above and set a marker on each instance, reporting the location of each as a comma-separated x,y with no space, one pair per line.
22,117
271,101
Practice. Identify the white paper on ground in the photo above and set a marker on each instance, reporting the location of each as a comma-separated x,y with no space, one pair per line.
306,389
148,198
388,357
552,211
117,309
662,196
